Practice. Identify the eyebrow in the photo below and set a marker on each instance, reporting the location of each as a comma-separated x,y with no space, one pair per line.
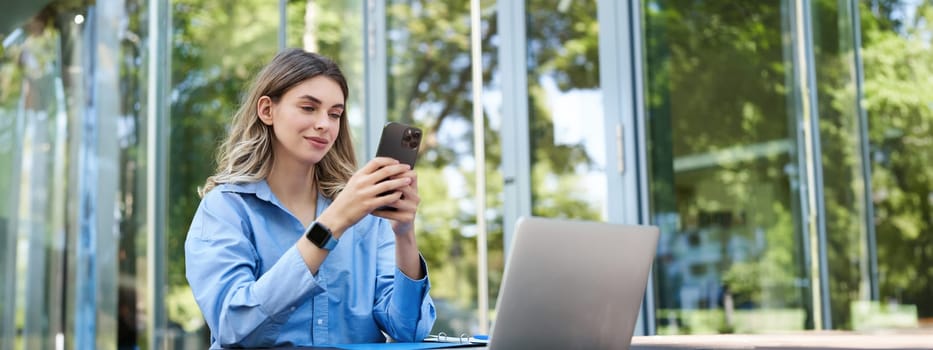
318,101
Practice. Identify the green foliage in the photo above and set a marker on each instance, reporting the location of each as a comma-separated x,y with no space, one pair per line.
718,61
723,63
429,86
898,61
721,147
430,71
216,48
843,180
716,78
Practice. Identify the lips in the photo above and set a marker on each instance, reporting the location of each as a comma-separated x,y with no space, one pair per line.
317,142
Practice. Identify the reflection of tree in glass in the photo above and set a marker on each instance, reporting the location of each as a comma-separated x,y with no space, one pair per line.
216,48
898,61
723,62
715,88
429,86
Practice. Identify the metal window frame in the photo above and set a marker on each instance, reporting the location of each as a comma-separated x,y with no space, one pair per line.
9,236
375,71
621,74
516,149
853,14
806,112
620,68
158,133
96,165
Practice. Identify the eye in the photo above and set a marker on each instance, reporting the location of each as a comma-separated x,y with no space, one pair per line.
308,108
335,115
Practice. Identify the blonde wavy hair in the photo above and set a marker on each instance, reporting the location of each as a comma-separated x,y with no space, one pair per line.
246,153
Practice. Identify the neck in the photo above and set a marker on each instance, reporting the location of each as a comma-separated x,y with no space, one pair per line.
292,182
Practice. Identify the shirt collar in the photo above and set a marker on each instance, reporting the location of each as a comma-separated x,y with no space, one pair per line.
259,188
262,191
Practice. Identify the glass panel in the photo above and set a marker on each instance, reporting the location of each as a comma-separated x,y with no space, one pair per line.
131,193
492,108
33,143
11,131
46,87
429,85
840,140
722,168
207,79
568,160
897,56
334,29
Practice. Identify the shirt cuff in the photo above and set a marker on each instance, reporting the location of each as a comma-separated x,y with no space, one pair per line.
286,285
409,294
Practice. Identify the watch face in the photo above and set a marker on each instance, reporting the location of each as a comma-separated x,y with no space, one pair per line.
317,234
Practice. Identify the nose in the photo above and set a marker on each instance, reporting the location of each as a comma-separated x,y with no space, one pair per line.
321,121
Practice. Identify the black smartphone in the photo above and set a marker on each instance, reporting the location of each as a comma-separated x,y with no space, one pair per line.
400,142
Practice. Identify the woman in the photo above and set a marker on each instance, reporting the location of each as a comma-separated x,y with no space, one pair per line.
287,247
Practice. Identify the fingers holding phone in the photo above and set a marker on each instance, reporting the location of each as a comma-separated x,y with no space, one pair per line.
387,175
401,142
375,185
402,211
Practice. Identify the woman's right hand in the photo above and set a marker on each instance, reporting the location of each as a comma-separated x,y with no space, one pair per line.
361,195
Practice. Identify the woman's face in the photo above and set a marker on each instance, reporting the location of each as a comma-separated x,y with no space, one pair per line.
306,120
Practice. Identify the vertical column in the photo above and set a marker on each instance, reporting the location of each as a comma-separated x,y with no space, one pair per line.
620,79
283,24
96,287
871,243
85,280
41,199
374,45
516,156
809,160
58,219
637,183
11,159
479,154
157,136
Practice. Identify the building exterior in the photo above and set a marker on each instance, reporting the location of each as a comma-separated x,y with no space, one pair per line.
784,148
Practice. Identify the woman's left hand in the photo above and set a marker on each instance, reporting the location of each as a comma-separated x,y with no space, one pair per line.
403,217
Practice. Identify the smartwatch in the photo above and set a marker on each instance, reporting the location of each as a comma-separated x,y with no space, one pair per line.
321,236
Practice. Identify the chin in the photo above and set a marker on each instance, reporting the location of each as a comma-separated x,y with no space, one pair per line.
312,157
312,160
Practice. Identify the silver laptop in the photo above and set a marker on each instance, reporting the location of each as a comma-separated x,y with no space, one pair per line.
573,285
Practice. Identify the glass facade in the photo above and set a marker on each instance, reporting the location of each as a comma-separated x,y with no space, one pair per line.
896,55
851,281
429,82
723,173
783,147
206,79
73,147
568,157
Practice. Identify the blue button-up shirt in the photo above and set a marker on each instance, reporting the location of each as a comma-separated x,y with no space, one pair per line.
254,288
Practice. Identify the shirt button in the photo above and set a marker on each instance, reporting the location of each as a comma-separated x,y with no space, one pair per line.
320,321
293,308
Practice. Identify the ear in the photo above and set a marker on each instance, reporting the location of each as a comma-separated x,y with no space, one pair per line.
264,109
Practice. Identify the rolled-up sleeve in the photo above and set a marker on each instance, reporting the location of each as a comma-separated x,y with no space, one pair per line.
222,266
403,308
